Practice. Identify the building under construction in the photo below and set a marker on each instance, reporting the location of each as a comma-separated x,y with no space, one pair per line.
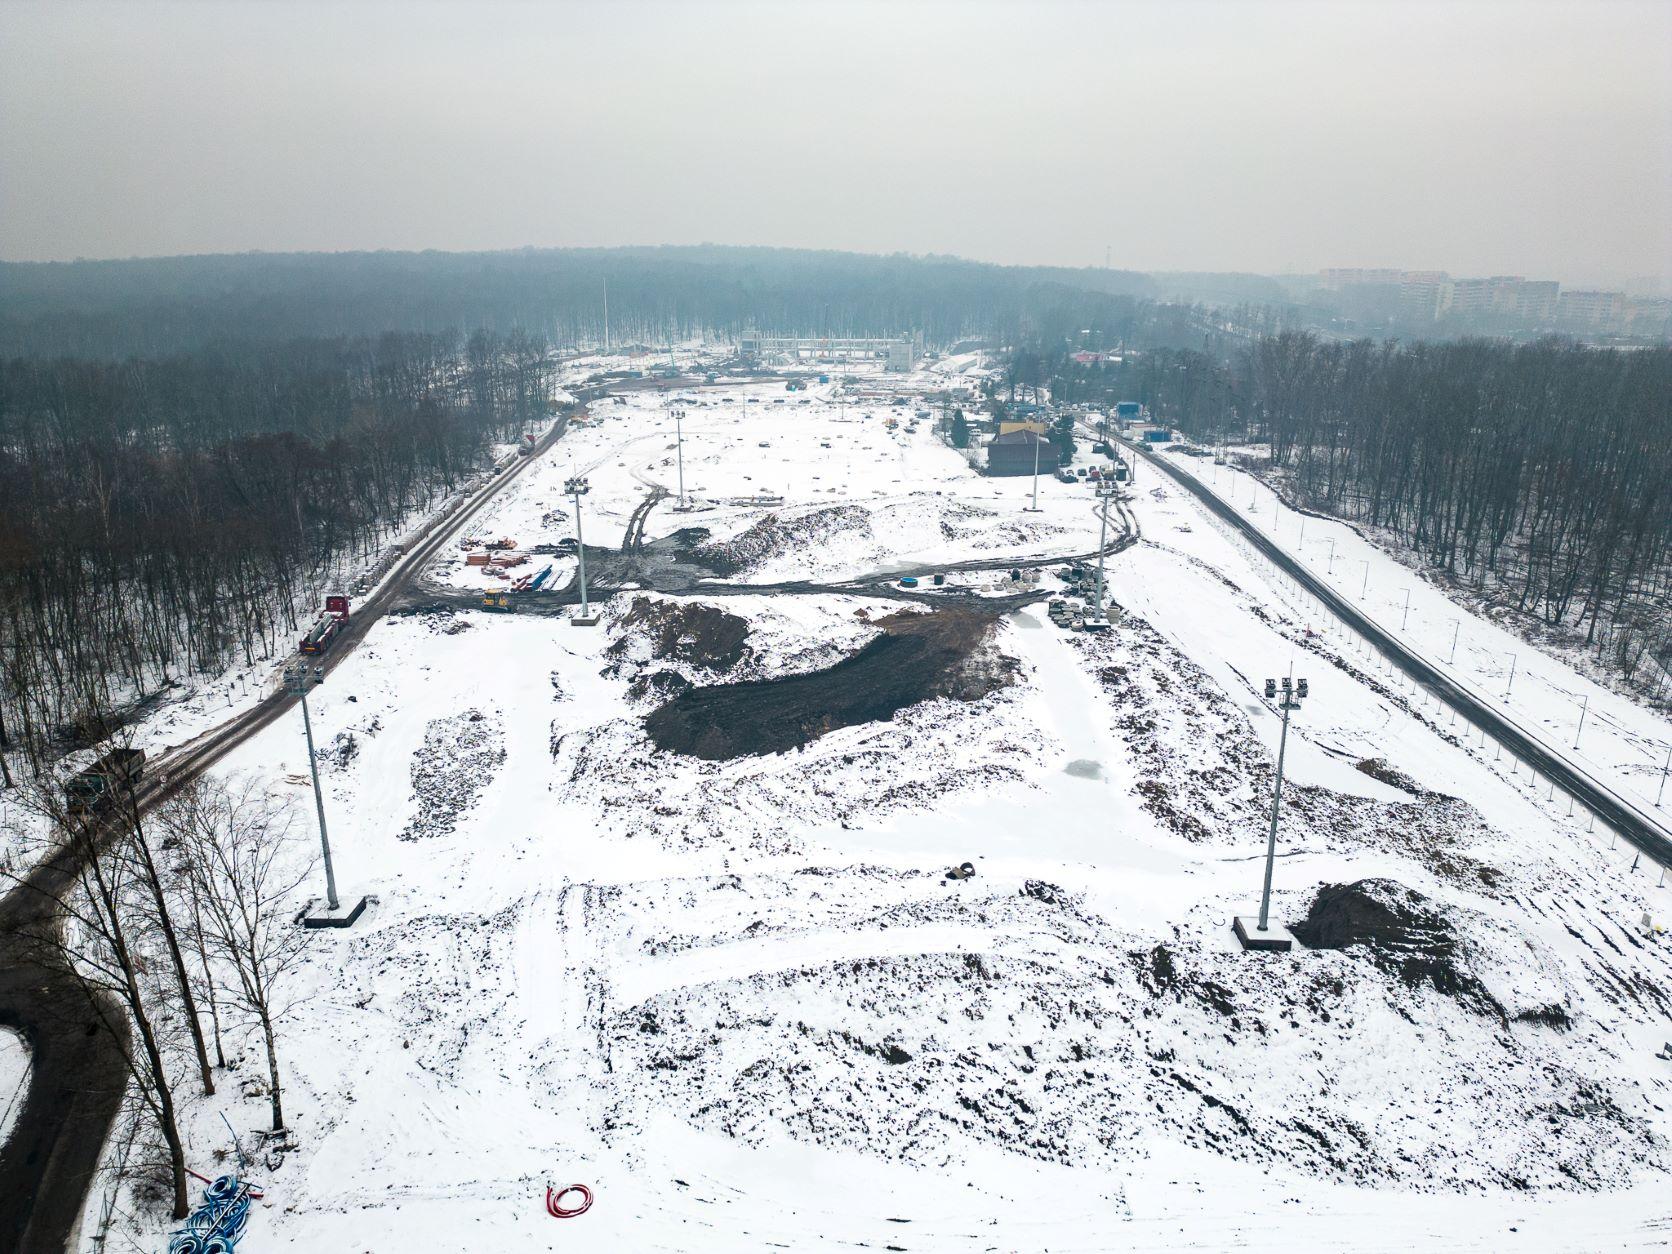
897,353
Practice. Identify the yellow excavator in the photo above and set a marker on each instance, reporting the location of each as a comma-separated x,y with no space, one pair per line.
498,601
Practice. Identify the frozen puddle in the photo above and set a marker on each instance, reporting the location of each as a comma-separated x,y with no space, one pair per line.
1084,768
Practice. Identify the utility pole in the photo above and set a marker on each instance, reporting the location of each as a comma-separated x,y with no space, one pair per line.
1365,586
1456,626
1105,494
1663,773
1263,935
1511,683
679,430
577,488
298,679
1330,570
1034,508
1581,727
1406,618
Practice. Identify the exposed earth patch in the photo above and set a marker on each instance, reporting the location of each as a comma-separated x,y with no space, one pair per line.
916,658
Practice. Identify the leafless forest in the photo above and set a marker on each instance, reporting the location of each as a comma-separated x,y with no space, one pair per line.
171,516
1536,476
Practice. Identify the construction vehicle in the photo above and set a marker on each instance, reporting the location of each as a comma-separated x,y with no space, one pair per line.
95,789
526,448
498,601
321,634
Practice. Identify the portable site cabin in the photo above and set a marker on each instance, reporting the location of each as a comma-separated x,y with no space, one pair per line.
1018,452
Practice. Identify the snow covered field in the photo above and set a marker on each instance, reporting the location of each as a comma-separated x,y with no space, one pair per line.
873,497
1621,744
741,1000
14,1074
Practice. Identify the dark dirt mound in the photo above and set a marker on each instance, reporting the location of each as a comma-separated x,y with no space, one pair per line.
918,657
773,535
1404,932
699,635
660,685
1384,771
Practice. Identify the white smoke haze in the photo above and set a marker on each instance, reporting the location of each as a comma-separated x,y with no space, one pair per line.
1479,138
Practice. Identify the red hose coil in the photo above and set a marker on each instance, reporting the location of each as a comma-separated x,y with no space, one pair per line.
553,1197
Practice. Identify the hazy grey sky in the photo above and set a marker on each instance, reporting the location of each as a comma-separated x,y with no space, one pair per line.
1474,137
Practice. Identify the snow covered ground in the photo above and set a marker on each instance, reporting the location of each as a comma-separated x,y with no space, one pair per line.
14,1074
741,1000
1621,744
871,495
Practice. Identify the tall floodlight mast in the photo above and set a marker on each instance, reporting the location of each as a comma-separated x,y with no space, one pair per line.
1263,934
1037,441
577,488
298,679
1099,620
678,412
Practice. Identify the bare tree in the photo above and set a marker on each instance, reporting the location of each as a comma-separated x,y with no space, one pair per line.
240,850
89,924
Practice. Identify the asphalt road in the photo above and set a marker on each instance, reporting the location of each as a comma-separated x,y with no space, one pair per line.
77,1073
1640,829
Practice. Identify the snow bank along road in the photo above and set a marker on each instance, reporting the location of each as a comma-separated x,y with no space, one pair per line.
77,1075
1631,822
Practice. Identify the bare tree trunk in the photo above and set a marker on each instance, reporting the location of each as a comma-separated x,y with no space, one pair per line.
273,1071
165,920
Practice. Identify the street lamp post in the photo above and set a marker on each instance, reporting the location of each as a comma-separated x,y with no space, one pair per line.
1034,508
298,679
1406,618
1513,658
1262,935
577,488
1330,569
1365,586
679,436
1105,494
1456,627
1581,727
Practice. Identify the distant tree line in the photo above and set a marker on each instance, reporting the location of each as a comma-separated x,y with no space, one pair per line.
159,306
1538,474
167,517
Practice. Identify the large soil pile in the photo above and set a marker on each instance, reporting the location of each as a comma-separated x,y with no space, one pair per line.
918,657
1404,933
699,635
773,535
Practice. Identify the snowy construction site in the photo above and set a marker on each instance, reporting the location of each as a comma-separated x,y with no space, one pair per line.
829,885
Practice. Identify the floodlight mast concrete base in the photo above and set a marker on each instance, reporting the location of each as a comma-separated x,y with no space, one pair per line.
584,620
320,914
1275,938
